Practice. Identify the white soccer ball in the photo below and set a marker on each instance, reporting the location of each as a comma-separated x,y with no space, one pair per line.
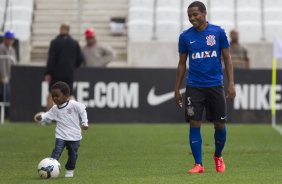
49,168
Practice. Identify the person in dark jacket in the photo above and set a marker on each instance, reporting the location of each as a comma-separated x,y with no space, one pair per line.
64,57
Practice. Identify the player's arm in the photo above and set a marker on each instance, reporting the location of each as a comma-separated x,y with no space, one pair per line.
80,59
229,73
81,109
84,120
109,54
181,70
247,60
43,118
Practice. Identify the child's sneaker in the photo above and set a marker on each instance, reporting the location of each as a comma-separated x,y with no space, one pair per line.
219,164
69,173
198,168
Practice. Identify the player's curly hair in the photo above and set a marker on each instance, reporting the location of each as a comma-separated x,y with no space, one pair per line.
64,87
200,5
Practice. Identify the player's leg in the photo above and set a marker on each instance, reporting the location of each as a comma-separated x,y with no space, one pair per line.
59,148
217,110
219,139
194,105
72,147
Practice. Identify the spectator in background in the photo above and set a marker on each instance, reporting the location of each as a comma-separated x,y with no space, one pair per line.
7,59
239,54
63,57
96,55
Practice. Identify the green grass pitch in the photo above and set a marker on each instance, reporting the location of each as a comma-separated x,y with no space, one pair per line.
143,153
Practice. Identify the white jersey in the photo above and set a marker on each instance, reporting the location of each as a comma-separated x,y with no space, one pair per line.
68,117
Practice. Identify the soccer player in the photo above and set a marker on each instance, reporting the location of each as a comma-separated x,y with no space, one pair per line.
204,43
68,114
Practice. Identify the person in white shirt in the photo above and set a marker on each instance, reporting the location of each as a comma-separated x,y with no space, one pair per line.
71,117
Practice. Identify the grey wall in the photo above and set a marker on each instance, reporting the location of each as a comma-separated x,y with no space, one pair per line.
165,55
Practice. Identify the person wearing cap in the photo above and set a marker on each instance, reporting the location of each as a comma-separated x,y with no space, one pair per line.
64,56
96,55
7,59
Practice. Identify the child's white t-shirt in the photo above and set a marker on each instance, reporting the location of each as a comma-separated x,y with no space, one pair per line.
68,117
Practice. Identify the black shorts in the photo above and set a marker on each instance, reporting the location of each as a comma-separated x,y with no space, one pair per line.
210,100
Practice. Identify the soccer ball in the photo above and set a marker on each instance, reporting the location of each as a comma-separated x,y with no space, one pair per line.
49,168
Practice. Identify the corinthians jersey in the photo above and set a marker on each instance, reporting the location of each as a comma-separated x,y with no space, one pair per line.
68,116
204,51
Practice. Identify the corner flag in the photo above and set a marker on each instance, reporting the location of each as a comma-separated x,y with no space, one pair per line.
277,54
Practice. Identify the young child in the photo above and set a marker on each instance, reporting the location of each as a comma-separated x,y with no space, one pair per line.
68,114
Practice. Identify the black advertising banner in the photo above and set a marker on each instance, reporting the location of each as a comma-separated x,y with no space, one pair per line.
111,95
138,95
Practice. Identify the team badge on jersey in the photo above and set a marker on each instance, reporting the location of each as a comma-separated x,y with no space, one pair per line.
69,111
211,40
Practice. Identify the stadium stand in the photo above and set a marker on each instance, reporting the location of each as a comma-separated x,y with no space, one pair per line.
142,3
140,19
19,18
36,22
221,13
249,20
167,20
48,15
272,19
137,26
167,24
2,12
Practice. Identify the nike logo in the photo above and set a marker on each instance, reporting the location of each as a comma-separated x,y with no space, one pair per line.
155,100
192,42
223,117
193,142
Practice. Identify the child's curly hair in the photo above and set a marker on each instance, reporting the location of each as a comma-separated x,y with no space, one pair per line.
64,87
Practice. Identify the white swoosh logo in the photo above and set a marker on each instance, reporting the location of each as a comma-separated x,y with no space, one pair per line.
192,42
223,117
155,100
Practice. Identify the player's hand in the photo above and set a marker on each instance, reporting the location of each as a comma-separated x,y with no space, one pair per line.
38,116
231,93
84,126
178,98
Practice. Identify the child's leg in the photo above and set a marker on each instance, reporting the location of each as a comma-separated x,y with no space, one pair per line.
59,148
72,147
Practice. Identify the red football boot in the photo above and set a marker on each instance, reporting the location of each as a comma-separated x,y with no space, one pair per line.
219,164
198,168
